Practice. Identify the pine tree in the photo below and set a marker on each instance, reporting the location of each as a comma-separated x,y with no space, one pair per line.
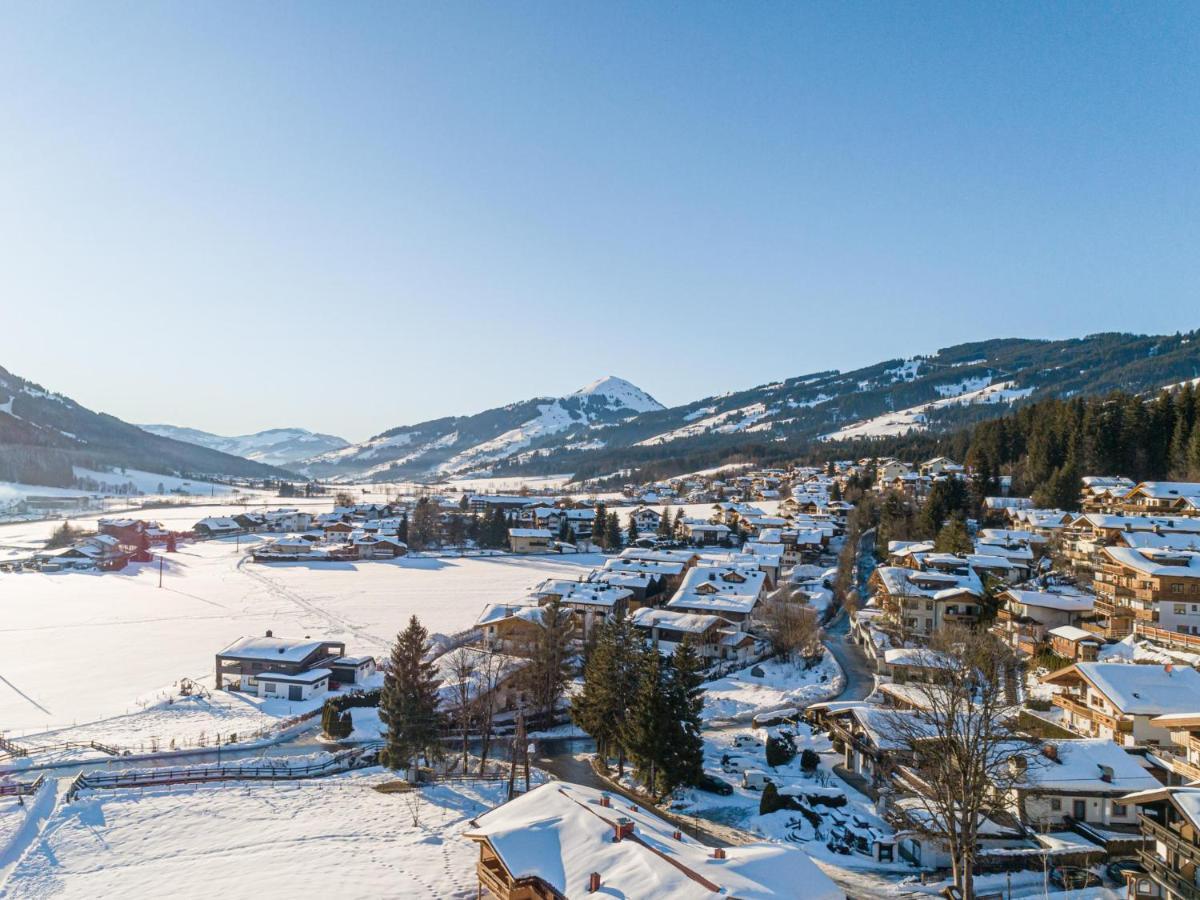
648,730
612,536
408,703
600,526
632,534
1193,453
610,679
677,527
664,524
953,538
685,761
549,667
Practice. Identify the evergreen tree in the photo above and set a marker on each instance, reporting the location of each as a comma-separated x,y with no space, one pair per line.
600,526
408,703
632,534
677,526
610,679
664,524
1193,454
648,730
685,757
953,538
612,536
549,667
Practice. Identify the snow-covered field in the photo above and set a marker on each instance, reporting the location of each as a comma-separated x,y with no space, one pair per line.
331,836
79,647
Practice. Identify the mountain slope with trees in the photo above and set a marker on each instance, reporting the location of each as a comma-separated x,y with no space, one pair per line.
43,435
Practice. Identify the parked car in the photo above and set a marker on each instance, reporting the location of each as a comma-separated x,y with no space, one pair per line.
1070,878
714,785
1118,867
755,779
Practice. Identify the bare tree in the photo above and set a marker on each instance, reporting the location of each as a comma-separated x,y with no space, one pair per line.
489,675
462,665
790,624
961,744
412,803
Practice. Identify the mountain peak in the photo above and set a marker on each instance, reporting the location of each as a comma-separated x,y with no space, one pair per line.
623,392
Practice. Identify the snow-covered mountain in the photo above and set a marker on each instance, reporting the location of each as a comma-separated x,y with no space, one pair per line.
475,443
275,446
45,435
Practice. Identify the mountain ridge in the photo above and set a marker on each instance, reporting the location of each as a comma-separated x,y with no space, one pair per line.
273,446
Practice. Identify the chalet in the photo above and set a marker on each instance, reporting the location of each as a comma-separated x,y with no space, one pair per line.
372,546
1154,587
1080,782
482,673
941,465
529,540
918,603
1120,701
1182,757
565,840
1074,643
510,627
1025,617
731,592
1170,823
668,629
338,531
905,664
216,526
1163,497
704,534
240,664
646,519
593,601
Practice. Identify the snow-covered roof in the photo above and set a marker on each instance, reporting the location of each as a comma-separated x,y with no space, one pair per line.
718,589
273,649
560,833
693,623
312,676
1080,765
1145,689
1044,600
529,532
1158,562
1074,634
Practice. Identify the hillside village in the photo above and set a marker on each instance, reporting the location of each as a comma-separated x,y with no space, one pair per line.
737,576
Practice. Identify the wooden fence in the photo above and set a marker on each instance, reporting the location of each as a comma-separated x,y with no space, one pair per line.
22,788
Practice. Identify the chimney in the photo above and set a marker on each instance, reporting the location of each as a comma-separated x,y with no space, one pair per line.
1106,774
718,853
270,633
593,882
605,800
1168,668
678,835
622,828
633,807
1050,751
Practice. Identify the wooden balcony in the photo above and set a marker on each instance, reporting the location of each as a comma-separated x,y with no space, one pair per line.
493,877
1158,868
1171,880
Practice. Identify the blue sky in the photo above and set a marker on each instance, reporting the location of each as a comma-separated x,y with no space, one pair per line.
352,216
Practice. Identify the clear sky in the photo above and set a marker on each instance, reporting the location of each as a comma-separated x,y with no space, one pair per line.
349,216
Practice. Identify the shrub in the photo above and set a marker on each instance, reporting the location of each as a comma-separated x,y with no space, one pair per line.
780,750
771,801
809,760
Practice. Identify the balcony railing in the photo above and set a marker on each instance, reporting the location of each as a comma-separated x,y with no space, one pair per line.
492,877
1169,879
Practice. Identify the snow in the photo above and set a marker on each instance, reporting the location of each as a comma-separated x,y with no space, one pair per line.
130,637
732,420
620,394
740,695
915,418
561,833
332,836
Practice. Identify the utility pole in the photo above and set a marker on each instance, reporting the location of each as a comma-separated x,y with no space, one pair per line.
160,570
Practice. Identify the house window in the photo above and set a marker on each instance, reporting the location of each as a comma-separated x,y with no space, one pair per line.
1055,804
1181,609
1177,588
269,687
1118,809
928,606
